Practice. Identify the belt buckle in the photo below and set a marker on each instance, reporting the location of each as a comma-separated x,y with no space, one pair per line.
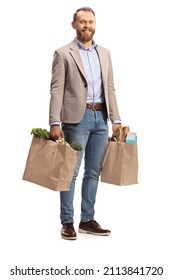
93,105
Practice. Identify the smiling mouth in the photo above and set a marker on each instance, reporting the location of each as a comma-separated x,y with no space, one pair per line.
86,30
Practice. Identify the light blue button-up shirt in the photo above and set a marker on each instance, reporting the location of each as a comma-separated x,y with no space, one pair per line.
93,73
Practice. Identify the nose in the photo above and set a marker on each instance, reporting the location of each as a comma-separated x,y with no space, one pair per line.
86,23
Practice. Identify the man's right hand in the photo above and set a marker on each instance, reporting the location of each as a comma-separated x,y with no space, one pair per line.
56,132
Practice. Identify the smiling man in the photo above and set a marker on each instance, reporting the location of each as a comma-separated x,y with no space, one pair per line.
82,101
84,23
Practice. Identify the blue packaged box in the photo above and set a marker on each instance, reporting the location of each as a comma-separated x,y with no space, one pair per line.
131,137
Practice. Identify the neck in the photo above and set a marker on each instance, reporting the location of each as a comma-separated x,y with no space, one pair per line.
86,44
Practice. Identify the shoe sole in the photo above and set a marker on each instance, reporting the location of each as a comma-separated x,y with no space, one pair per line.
94,233
69,238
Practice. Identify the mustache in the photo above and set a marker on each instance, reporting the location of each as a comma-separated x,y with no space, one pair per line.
88,29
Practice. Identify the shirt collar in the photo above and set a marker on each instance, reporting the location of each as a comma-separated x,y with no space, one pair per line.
81,46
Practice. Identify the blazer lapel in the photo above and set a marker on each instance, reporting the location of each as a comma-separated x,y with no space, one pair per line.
74,51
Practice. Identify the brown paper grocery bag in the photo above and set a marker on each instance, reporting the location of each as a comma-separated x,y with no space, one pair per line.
50,164
120,166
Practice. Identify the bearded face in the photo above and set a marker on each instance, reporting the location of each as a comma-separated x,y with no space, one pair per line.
85,27
85,35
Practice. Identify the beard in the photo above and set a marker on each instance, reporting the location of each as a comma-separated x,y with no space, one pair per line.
85,37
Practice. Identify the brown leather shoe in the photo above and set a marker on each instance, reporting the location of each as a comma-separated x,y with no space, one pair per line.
68,232
92,227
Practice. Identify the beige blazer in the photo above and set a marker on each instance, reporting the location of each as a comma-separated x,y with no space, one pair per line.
68,87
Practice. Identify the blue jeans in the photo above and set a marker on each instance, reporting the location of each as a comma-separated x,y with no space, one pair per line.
92,133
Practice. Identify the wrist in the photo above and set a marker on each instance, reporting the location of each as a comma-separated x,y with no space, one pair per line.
116,122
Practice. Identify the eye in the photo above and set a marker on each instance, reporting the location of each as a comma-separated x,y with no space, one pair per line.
86,22
82,21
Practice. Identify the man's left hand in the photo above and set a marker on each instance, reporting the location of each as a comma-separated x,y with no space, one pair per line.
115,127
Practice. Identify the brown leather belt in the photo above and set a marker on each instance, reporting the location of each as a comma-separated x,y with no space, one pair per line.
95,107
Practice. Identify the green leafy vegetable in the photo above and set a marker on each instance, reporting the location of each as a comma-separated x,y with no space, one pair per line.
41,133
76,146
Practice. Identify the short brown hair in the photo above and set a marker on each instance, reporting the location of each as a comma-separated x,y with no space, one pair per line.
85,9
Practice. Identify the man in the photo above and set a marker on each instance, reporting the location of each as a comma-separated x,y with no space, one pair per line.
82,101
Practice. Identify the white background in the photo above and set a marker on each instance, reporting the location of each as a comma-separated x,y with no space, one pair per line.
139,35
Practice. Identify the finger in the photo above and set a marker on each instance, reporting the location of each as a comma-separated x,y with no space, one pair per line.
62,134
54,136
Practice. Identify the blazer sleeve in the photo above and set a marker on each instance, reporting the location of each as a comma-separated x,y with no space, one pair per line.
112,100
56,88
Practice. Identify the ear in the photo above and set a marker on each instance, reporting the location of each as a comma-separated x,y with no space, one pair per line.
73,25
